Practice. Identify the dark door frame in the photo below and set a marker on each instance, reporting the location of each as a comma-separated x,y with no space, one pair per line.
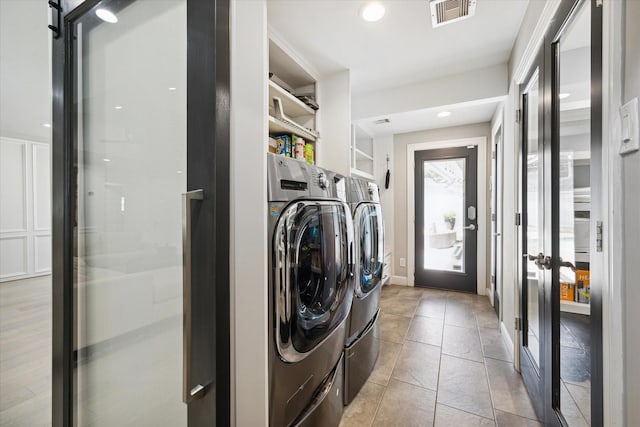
208,123
533,376
456,280
551,135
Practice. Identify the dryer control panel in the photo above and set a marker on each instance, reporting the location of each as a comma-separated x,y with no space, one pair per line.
290,179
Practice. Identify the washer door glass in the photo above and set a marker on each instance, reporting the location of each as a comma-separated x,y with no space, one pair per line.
370,248
314,272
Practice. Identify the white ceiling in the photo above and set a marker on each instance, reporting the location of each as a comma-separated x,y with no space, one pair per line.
25,84
400,49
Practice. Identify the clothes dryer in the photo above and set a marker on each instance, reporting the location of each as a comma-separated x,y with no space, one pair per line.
310,292
362,345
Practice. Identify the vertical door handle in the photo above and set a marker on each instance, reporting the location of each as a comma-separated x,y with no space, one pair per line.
189,393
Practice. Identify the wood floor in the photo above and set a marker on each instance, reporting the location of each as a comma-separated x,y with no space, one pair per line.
25,352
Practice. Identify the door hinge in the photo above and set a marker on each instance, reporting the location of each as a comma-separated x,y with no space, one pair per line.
493,217
57,18
493,279
599,233
518,115
518,219
493,155
518,324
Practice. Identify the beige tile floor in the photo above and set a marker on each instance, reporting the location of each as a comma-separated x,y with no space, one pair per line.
442,362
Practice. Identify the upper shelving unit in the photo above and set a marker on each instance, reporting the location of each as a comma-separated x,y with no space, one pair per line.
288,115
362,160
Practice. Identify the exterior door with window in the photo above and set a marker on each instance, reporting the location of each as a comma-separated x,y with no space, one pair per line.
446,218
140,190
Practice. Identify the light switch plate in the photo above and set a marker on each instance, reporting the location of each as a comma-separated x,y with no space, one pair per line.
630,131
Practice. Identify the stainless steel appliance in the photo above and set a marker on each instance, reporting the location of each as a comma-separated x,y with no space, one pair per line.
362,345
310,292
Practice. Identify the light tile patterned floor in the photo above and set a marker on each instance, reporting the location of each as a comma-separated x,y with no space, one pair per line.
442,362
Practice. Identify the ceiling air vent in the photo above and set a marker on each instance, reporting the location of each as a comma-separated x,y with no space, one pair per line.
381,121
445,12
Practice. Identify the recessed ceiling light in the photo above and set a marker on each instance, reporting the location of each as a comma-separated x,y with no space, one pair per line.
372,12
178,171
107,160
564,95
118,107
106,16
47,125
172,89
442,114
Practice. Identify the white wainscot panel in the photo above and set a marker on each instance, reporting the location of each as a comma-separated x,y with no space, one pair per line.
42,245
13,253
12,186
41,187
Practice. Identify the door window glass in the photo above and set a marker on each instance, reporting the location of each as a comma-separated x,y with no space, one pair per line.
131,111
533,229
444,214
574,95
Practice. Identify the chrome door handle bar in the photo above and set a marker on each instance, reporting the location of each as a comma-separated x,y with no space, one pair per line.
189,394
471,227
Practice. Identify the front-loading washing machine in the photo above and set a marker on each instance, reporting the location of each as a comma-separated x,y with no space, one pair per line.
310,292
362,345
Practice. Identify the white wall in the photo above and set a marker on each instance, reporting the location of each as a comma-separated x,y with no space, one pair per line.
25,209
630,204
334,98
249,213
383,147
473,85
399,179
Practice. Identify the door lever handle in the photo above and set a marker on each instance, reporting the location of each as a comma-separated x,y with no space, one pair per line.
568,264
471,227
542,262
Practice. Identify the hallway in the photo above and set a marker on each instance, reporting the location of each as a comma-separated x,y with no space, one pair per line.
442,362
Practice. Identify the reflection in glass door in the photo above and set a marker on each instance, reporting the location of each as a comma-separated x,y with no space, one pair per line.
143,271
575,200
132,148
446,218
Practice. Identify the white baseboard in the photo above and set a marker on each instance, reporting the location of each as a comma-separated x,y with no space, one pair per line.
398,280
506,336
491,297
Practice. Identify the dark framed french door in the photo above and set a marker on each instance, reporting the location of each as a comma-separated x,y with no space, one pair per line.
561,206
446,218
140,212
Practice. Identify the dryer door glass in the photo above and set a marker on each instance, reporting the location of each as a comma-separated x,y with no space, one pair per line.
315,286
370,255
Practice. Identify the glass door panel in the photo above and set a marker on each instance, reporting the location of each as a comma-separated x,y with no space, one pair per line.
534,277
574,74
444,202
131,172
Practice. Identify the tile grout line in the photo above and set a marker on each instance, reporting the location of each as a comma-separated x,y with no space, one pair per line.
435,406
486,372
